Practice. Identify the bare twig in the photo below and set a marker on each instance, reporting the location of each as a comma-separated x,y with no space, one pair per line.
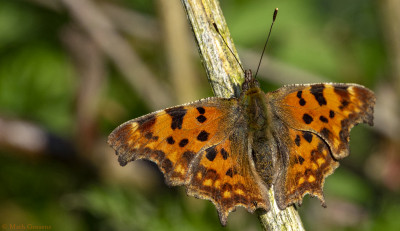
221,67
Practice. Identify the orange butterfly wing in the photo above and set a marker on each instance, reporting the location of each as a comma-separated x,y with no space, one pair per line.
205,145
317,120
201,145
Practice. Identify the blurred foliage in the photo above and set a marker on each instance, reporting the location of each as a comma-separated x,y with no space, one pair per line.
340,40
35,75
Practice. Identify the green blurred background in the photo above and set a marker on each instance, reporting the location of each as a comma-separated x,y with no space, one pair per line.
73,70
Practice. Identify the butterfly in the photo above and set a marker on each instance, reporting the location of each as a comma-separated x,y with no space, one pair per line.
231,151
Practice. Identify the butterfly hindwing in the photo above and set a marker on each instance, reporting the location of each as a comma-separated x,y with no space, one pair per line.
223,175
309,163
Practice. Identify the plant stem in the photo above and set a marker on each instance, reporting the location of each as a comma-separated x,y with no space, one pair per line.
225,76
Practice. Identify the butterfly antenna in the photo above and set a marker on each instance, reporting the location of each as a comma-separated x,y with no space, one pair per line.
265,45
237,60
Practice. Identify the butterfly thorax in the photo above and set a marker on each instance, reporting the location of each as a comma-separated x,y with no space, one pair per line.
253,99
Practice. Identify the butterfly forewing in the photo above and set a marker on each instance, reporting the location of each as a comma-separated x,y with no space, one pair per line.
329,110
172,138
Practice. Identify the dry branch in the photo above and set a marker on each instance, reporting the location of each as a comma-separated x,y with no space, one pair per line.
225,76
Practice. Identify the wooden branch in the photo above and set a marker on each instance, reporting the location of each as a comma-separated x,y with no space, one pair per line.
223,71
226,76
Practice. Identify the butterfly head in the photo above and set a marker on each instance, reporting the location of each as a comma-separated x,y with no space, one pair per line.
250,84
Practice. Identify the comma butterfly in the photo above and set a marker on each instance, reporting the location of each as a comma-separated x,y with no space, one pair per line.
232,150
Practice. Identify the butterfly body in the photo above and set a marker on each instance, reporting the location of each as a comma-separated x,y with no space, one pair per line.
259,136
231,151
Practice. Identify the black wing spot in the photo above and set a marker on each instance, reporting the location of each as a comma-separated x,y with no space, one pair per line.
203,136
299,94
308,136
307,118
302,102
297,140
331,114
201,110
170,140
323,119
183,143
229,172
224,153
201,118
317,90
211,153
177,115
301,159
